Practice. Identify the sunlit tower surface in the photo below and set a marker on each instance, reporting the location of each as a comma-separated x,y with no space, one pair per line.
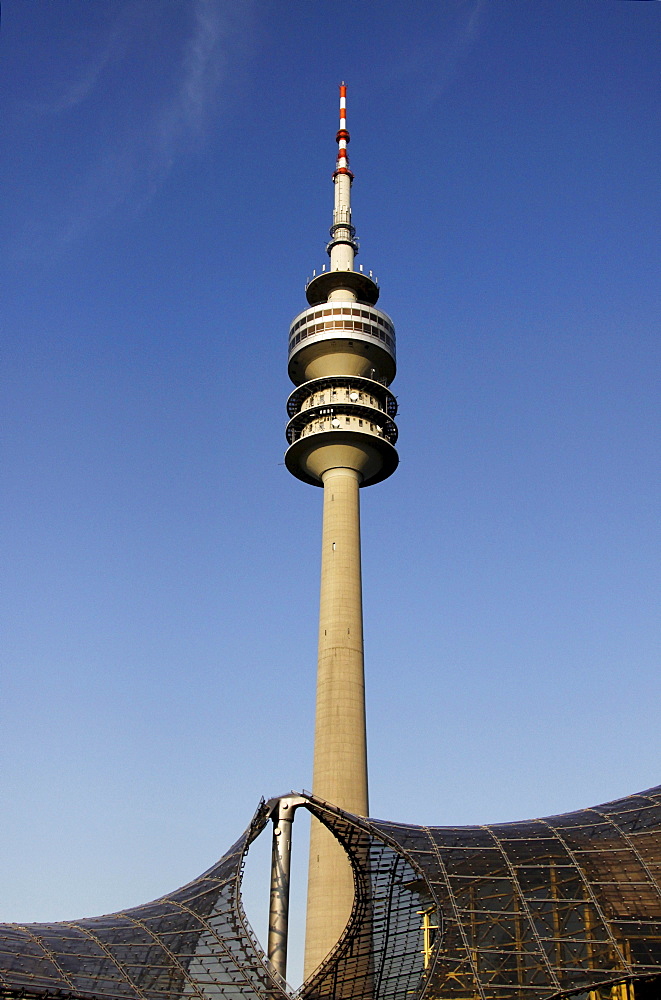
341,436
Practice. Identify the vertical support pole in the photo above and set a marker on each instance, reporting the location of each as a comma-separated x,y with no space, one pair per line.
518,941
557,935
428,929
282,817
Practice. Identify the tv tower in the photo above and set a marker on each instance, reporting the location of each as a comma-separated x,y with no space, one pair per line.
341,436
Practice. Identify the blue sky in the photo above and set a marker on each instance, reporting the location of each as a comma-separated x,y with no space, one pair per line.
167,192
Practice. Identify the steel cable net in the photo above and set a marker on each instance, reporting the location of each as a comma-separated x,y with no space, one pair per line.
197,942
380,954
554,907
564,906
194,942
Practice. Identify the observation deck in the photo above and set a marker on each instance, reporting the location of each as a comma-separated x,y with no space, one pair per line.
362,283
333,419
361,338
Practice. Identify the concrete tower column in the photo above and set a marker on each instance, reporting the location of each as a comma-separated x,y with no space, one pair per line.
340,752
340,744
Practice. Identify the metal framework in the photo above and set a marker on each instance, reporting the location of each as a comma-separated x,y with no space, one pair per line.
563,906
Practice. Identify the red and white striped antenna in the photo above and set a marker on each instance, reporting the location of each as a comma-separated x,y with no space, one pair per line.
343,245
343,137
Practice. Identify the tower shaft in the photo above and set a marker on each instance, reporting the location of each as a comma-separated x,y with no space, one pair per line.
340,751
340,743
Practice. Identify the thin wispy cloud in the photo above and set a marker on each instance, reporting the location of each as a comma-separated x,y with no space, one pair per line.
78,90
140,133
475,20
204,62
453,28
68,94
186,115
